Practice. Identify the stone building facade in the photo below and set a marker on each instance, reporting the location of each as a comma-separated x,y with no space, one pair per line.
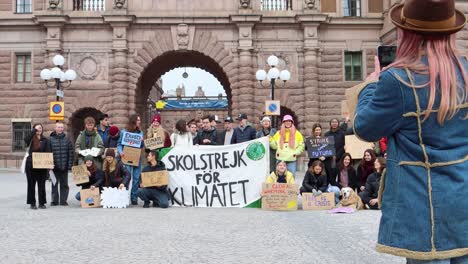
121,48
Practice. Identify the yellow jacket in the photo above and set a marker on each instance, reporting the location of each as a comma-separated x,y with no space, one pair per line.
287,153
272,178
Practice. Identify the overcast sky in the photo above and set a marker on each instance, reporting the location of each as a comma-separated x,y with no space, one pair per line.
196,77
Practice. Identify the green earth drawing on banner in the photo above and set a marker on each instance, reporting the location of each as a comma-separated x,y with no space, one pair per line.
255,151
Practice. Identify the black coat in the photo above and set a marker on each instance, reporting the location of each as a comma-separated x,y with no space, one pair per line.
117,177
353,180
211,135
373,184
63,151
160,166
240,136
96,179
43,147
317,182
339,136
111,142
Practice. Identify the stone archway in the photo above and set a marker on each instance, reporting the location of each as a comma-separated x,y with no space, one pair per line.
76,123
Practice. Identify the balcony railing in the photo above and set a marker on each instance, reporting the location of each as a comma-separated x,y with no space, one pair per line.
276,5
89,5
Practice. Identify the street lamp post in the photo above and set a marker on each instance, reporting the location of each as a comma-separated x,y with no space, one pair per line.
272,75
61,78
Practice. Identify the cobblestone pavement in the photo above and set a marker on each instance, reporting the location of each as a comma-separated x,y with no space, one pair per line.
179,235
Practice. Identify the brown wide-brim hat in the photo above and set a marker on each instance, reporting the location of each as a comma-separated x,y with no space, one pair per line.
428,17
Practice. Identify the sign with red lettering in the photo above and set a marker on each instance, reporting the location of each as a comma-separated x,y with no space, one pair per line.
279,196
325,201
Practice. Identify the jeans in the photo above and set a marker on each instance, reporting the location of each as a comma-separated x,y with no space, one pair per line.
62,180
160,197
291,165
459,260
335,190
135,172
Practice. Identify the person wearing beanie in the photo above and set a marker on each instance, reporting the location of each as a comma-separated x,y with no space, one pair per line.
244,131
266,131
155,129
88,139
95,175
113,138
288,143
115,173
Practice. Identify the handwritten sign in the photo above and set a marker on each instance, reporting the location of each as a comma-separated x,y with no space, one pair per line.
42,160
344,109
90,198
320,147
154,178
80,174
154,143
325,201
131,156
356,147
279,196
132,139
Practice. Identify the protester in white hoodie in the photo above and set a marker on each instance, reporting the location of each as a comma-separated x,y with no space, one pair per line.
181,136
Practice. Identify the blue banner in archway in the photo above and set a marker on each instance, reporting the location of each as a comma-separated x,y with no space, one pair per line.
192,104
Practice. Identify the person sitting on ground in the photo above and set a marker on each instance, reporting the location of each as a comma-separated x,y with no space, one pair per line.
96,177
207,135
346,174
244,131
115,173
315,180
370,195
365,168
181,136
159,195
281,175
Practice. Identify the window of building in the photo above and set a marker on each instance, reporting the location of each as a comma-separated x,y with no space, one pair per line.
23,6
20,131
23,67
351,8
353,66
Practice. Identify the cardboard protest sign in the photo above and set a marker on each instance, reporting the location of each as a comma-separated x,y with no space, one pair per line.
325,201
279,196
42,160
218,176
90,198
344,109
80,174
320,147
132,139
154,143
154,178
356,147
131,156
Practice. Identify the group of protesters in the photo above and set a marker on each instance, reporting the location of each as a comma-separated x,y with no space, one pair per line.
106,169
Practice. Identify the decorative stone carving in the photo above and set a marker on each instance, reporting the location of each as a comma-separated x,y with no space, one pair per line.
53,4
183,36
90,66
311,4
119,3
245,4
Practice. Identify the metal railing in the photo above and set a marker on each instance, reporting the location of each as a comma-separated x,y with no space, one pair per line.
276,5
89,5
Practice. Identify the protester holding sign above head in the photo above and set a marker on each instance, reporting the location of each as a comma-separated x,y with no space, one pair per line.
159,195
37,143
115,173
281,174
316,133
63,152
288,143
156,130
87,140
96,176
208,135
113,138
132,137
103,127
244,131
366,167
268,131
181,136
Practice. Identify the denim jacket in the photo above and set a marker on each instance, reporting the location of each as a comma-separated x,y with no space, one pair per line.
424,206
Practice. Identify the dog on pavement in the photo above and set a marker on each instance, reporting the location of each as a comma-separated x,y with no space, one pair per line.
349,198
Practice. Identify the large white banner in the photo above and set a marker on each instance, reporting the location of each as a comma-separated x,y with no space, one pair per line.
218,176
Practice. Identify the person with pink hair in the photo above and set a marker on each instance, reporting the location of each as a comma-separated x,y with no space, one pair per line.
419,102
288,143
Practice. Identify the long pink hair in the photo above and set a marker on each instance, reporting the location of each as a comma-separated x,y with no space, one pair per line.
441,54
292,136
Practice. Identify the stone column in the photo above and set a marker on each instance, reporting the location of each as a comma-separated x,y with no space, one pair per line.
312,98
246,82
